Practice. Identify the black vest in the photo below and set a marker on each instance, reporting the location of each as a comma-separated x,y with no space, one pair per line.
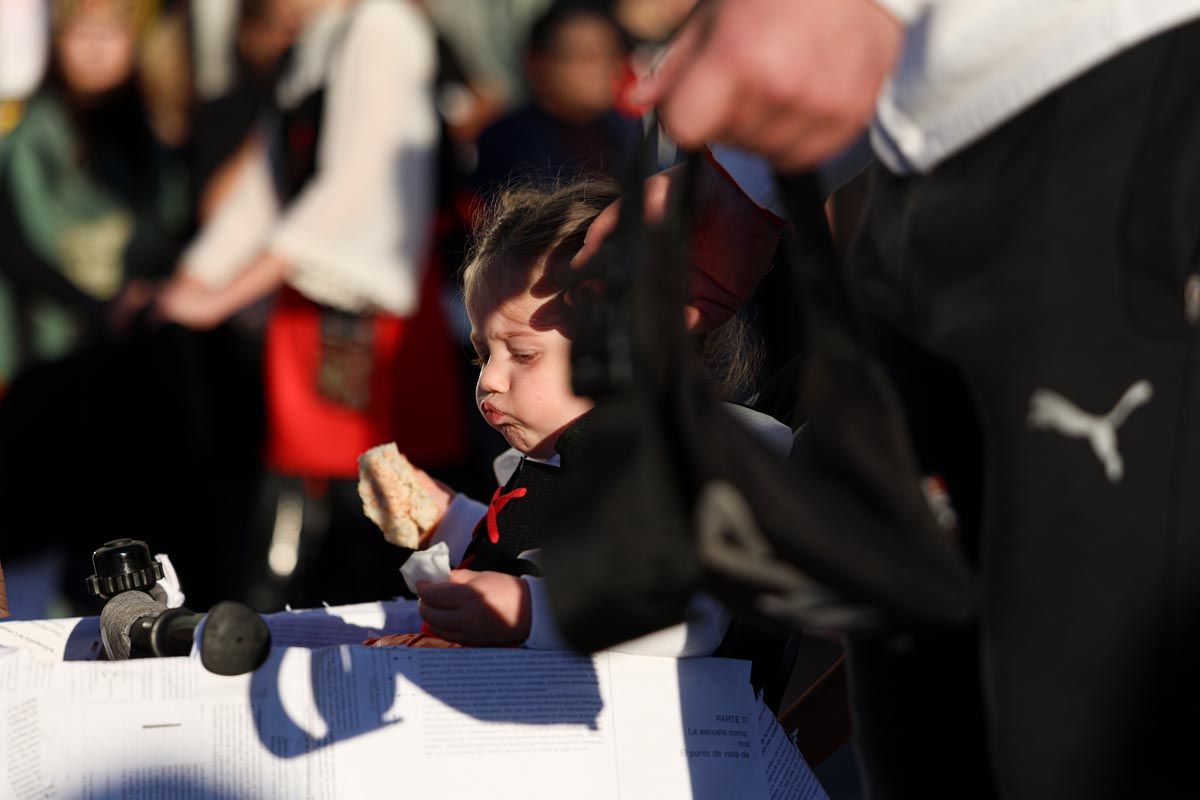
518,511
297,135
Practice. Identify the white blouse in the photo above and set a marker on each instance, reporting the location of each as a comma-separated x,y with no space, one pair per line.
356,236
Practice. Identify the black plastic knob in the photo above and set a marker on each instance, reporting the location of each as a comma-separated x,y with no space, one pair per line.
121,565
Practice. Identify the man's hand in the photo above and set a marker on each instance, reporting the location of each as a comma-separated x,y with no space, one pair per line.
481,609
793,80
732,247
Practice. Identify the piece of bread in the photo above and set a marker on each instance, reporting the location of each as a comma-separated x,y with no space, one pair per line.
392,498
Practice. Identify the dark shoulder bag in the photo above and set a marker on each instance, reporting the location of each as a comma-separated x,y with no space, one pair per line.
676,496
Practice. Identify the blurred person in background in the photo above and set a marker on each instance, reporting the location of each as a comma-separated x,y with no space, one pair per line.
649,25
464,107
24,49
488,36
165,75
90,201
238,50
93,206
575,60
651,21
331,215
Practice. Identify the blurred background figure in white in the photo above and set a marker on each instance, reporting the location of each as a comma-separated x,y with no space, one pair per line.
332,213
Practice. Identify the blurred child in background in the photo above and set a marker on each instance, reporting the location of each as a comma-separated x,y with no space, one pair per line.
575,60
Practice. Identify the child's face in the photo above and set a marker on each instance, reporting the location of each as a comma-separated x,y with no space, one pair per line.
524,387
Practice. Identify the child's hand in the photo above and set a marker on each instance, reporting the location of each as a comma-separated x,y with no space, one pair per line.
440,493
477,608
402,499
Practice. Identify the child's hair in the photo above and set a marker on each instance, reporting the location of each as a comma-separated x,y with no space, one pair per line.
732,355
524,240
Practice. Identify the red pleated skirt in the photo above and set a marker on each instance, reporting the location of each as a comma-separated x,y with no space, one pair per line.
415,396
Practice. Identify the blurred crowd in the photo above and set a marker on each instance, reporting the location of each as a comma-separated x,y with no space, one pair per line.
230,232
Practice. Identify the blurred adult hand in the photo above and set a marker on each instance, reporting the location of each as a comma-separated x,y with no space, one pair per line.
793,80
123,308
483,609
732,246
190,303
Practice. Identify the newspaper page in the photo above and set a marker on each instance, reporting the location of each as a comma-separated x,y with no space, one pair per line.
351,721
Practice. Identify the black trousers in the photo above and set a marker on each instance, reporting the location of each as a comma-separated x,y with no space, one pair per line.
1039,298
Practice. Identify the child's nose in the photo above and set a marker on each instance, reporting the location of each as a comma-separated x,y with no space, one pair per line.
491,379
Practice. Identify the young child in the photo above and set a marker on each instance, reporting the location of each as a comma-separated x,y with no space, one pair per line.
520,327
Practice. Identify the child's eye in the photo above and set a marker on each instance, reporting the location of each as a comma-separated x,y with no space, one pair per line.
524,357
479,359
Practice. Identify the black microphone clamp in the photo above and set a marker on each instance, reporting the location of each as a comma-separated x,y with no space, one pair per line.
134,624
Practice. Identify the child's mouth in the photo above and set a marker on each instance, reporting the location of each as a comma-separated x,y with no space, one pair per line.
491,414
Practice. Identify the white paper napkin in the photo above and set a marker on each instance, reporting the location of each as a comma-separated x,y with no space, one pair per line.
432,564
169,590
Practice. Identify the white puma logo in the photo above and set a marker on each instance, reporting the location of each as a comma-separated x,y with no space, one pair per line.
1049,409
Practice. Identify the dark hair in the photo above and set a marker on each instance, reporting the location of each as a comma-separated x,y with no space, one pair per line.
545,27
112,135
732,355
526,236
524,240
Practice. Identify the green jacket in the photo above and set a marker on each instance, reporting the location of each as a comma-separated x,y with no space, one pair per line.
94,234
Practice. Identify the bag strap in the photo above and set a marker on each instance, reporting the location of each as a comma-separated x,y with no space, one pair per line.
865,475
602,353
832,322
